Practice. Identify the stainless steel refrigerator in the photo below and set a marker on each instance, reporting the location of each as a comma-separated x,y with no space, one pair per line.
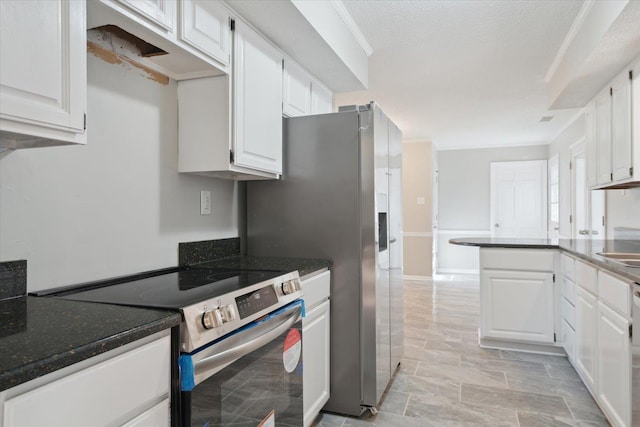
340,197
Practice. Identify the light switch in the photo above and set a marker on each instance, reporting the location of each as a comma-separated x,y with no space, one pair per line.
421,200
205,202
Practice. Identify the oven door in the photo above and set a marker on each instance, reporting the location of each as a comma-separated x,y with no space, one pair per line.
250,378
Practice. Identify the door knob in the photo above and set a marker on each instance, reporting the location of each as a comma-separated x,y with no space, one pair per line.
496,225
583,232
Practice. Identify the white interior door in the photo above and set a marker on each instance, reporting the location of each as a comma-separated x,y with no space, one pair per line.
519,199
554,196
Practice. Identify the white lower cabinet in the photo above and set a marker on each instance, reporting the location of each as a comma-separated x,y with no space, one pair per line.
126,386
586,335
614,366
316,345
517,305
569,340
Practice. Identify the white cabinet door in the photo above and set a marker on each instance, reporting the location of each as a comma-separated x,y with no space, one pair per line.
258,101
107,393
517,305
614,365
603,137
569,340
205,26
157,12
316,346
586,334
296,91
590,143
621,127
43,71
321,99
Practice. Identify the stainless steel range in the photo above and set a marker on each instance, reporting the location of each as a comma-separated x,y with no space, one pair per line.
240,341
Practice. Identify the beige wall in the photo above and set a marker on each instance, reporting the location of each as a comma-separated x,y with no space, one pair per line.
416,193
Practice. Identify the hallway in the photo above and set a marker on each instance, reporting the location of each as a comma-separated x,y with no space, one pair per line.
445,379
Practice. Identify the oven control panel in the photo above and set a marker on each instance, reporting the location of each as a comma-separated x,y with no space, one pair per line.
209,320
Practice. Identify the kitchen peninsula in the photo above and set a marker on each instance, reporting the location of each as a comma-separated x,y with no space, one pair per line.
573,297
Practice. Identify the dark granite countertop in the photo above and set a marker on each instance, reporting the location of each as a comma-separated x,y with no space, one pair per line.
585,249
42,335
304,266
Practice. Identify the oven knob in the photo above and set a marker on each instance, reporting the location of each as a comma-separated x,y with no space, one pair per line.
212,319
228,313
297,284
288,287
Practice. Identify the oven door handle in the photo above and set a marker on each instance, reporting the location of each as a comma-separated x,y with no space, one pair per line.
213,359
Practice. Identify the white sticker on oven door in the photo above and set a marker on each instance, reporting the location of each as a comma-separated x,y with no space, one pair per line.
292,350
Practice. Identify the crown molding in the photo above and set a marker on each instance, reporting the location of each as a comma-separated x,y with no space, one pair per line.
352,26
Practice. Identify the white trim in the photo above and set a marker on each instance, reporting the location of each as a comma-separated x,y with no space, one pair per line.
466,232
417,141
417,234
458,271
479,147
352,26
567,124
581,140
571,35
410,277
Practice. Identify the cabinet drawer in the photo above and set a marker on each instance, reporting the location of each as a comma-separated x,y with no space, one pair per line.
569,290
568,312
615,292
566,264
586,276
98,395
517,259
316,289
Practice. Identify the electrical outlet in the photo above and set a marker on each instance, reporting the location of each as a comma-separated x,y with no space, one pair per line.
205,202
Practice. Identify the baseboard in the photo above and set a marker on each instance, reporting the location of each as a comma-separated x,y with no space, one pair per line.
550,349
471,271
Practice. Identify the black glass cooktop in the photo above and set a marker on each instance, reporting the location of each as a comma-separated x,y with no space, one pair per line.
175,290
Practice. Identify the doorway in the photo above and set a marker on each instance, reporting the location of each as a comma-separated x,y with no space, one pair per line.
519,199
587,217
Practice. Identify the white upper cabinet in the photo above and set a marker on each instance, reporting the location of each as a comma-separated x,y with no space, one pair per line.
257,67
603,137
613,146
43,73
301,94
296,91
205,26
321,99
160,12
591,145
621,128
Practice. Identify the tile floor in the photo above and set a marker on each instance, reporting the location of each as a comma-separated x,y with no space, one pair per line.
445,379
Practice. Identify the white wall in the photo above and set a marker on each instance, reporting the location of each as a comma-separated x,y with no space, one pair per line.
117,205
623,209
464,189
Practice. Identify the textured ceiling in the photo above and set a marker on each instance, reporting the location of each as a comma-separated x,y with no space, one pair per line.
464,73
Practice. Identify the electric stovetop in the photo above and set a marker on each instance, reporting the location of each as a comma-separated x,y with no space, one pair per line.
175,290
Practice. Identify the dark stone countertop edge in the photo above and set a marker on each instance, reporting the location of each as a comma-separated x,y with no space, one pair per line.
626,272
38,368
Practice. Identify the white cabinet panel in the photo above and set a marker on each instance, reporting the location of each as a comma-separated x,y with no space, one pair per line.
517,305
586,276
316,289
296,91
316,353
569,290
603,137
102,394
159,12
569,340
591,144
205,26
586,335
614,366
621,128
158,416
43,72
615,292
258,101
321,99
